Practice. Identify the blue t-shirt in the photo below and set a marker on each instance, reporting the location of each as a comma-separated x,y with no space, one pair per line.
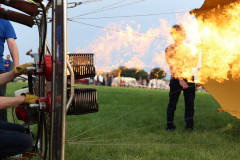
7,69
6,31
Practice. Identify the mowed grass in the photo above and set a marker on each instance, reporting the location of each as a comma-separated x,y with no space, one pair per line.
131,124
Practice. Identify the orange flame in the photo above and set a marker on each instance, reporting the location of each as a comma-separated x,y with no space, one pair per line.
220,44
216,39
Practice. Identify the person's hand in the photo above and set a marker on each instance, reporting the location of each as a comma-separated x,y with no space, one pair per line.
22,69
29,98
183,84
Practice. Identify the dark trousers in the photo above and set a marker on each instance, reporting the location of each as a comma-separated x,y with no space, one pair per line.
189,96
13,139
3,112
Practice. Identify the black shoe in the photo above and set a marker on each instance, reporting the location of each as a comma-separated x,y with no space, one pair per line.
171,128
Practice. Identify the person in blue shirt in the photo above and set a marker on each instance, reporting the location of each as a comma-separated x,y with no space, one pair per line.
8,64
7,34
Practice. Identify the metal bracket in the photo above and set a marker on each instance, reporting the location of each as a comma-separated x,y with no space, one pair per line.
72,85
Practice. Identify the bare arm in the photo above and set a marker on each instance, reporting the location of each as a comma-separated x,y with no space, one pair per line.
14,51
8,102
7,77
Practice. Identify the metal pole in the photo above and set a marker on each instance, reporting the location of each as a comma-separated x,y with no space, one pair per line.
51,142
64,96
59,80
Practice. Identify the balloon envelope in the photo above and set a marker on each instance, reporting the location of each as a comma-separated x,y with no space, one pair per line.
226,93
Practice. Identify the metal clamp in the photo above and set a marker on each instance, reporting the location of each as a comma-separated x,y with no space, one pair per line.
74,4
71,86
42,104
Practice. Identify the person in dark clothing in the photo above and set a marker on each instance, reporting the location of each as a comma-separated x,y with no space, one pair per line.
180,61
13,137
148,80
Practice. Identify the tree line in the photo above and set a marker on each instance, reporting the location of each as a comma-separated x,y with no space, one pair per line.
123,71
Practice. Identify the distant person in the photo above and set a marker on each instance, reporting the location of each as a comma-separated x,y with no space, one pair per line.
140,81
148,80
7,34
180,61
98,80
8,64
109,80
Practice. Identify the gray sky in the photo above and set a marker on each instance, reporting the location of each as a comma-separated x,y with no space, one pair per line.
85,38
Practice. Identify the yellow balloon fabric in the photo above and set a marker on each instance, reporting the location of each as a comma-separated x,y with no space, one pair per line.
227,94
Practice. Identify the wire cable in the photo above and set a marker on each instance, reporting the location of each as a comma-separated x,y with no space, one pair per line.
75,4
135,129
153,138
128,4
85,2
122,115
111,29
100,8
140,15
156,144
106,8
91,1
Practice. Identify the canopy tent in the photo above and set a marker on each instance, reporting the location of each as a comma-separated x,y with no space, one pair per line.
227,92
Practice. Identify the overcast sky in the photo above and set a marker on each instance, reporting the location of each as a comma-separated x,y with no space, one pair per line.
83,37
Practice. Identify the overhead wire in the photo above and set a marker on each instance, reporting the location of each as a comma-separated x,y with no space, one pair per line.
111,29
117,6
85,2
75,4
93,11
127,16
73,19
91,1
102,9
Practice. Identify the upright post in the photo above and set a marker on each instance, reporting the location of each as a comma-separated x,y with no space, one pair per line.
59,80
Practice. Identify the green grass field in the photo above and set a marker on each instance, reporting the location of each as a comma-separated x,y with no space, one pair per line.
131,123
